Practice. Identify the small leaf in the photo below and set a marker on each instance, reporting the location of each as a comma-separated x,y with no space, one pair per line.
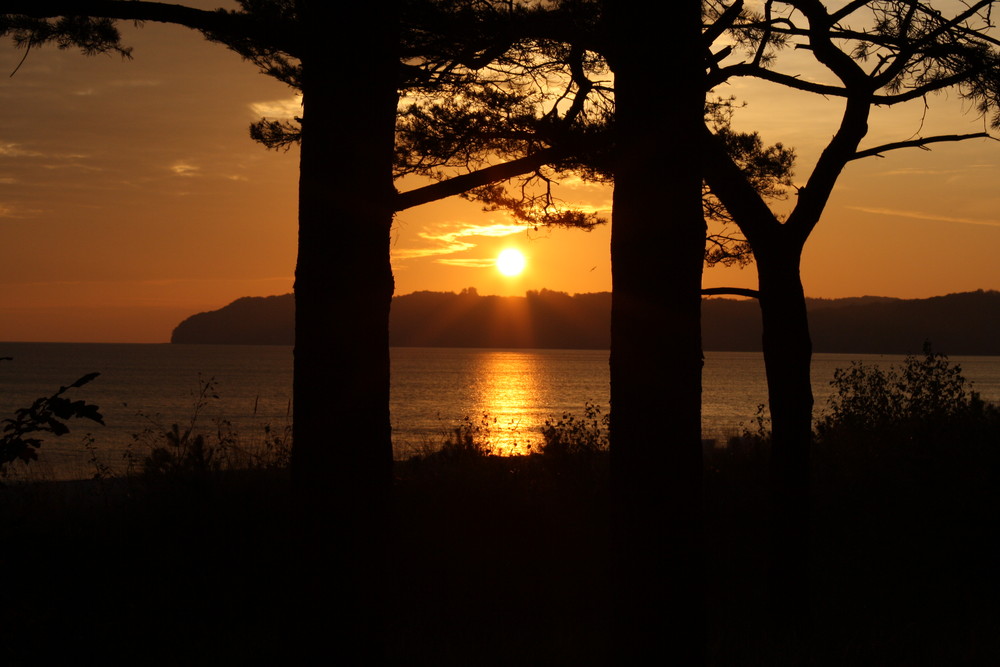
84,380
58,428
90,412
61,407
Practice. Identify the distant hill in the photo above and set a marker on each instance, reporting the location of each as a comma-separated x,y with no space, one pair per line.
966,323
252,320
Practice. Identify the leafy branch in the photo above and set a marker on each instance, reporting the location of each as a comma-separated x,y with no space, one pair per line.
22,434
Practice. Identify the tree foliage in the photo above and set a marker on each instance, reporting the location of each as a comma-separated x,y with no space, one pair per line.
21,435
89,34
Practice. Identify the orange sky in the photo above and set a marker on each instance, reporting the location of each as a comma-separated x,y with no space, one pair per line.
131,197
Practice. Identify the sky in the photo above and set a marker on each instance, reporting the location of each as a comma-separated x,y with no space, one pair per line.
131,197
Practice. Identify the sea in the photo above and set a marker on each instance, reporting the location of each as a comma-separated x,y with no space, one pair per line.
507,396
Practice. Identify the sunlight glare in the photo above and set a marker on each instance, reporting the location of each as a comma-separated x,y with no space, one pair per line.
511,262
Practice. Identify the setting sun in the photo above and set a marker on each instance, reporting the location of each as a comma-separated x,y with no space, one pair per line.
510,262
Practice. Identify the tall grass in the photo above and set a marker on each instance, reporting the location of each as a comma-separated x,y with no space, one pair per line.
195,447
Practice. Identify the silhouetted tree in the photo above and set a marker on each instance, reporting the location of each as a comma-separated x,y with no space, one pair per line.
879,54
342,450
342,444
641,139
904,51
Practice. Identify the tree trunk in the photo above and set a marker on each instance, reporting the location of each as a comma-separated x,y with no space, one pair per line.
657,251
343,279
787,358
342,449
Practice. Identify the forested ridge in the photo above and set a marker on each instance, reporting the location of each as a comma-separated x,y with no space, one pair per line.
963,323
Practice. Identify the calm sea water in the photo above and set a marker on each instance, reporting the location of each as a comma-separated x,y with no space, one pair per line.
433,389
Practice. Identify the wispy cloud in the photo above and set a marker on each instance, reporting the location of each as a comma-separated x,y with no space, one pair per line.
184,169
135,83
574,181
17,213
287,108
913,171
15,150
453,238
466,230
71,162
919,215
163,282
916,171
120,83
416,253
469,263
10,149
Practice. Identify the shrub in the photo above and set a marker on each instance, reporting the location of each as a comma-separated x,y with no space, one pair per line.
469,439
570,435
927,402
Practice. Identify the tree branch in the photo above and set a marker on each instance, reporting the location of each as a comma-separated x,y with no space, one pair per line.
159,12
841,149
847,9
918,143
216,23
729,184
459,184
821,42
723,23
747,69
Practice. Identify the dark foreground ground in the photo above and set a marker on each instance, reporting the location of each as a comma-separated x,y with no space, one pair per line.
491,562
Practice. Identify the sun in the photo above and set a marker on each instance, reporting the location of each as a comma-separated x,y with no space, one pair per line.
511,262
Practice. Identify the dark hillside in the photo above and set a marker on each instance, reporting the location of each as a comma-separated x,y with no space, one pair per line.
252,320
965,323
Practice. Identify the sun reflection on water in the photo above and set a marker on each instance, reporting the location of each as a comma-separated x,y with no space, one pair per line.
507,391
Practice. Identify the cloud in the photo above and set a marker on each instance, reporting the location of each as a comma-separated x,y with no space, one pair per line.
287,108
120,83
917,215
416,253
17,213
10,149
466,230
469,263
184,169
603,207
159,282
453,238
575,181
913,171
135,83
15,150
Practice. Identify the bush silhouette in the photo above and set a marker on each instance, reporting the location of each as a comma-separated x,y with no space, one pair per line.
922,406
